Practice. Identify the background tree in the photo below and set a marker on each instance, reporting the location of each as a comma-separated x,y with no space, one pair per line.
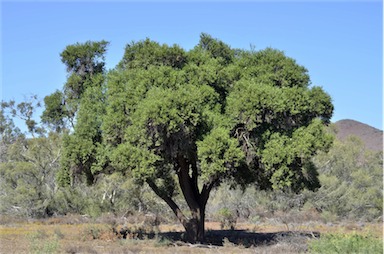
185,121
29,163
23,111
9,134
28,177
351,178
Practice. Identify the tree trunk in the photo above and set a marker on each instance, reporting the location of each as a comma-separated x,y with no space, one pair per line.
194,225
196,200
195,228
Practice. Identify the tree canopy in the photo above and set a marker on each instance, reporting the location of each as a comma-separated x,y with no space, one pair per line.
85,67
184,121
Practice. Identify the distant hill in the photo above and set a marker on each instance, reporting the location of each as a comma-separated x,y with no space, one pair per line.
372,137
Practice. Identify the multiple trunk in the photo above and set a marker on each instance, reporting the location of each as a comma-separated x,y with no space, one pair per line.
196,200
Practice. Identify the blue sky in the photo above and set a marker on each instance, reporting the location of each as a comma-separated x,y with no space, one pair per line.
339,42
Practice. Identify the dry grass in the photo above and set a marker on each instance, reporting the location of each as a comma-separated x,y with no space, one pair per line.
82,235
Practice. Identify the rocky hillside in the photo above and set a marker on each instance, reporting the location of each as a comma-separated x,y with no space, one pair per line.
372,137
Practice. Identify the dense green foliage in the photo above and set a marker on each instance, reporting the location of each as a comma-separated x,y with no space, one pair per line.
353,243
161,96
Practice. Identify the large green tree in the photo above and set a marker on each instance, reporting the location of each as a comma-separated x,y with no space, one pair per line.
184,121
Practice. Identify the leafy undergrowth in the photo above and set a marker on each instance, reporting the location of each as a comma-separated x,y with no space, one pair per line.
346,243
80,235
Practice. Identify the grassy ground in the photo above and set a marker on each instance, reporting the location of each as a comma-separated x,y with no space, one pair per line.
79,235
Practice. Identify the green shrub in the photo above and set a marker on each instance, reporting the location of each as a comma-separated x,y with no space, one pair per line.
41,242
226,218
346,243
93,232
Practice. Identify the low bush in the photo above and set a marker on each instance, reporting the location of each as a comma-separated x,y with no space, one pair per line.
346,243
98,232
227,218
41,242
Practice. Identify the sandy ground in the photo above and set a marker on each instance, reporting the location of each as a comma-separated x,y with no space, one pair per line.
55,237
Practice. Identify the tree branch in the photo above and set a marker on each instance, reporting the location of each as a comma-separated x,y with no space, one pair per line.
175,208
190,191
207,190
